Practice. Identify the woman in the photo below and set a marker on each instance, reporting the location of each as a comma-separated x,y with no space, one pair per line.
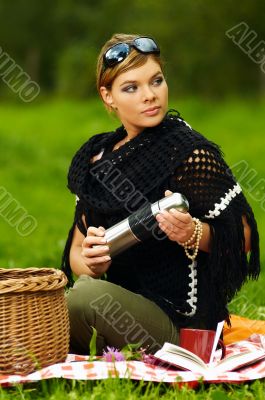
146,293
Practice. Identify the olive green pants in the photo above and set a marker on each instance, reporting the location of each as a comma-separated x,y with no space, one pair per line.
119,316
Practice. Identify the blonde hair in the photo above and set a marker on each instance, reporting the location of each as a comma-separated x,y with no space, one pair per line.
106,76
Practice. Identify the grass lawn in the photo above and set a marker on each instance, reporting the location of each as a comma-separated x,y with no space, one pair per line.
37,143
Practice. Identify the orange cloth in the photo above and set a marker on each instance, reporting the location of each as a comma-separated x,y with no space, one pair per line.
242,328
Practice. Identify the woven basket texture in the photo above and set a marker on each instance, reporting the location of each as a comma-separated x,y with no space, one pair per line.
34,323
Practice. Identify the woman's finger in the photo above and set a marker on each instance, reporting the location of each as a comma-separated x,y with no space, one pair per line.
183,217
97,260
95,251
89,241
92,230
177,217
172,221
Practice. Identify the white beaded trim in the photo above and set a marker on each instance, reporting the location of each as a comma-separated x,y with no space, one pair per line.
192,300
219,207
182,120
193,285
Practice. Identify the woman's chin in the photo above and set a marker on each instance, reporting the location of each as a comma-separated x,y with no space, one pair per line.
155,120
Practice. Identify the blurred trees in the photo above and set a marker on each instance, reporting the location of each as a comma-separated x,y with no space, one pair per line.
57,42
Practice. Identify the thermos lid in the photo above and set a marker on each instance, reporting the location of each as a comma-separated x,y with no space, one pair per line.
175,200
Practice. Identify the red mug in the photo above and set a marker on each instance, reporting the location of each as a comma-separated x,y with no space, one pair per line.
199,342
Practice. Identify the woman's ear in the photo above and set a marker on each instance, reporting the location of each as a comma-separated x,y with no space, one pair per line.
106,96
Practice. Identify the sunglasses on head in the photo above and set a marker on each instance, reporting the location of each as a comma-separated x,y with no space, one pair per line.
119,51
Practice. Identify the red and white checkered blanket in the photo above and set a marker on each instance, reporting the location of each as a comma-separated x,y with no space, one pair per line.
78,367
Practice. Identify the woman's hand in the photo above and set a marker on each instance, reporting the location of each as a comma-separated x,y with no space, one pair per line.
178,226
95,251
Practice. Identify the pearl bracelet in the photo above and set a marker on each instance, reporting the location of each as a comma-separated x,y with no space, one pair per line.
197,235
193,236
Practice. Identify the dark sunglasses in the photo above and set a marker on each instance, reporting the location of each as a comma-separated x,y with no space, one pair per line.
118,52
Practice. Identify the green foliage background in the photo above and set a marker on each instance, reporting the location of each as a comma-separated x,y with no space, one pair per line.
57,41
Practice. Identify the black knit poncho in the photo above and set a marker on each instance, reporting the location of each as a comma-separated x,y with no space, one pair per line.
169,156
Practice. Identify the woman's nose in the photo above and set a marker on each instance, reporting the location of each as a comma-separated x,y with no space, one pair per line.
148,93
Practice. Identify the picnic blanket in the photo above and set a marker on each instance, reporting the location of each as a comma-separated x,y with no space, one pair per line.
241,328
79,367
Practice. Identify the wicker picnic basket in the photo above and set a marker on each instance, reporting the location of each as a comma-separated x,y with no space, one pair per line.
34,324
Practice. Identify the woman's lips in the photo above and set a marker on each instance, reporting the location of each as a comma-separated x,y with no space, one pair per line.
152,111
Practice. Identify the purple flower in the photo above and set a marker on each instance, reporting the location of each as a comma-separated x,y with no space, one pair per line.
113,354
148,359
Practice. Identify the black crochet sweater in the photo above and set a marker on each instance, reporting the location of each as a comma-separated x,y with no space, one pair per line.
169,156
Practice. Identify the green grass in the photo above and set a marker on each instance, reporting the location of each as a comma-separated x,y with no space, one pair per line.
37,143
118,389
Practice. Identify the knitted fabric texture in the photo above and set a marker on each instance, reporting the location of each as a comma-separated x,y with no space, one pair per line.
170,156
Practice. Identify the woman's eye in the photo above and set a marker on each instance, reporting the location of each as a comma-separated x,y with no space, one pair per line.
129,89
158,81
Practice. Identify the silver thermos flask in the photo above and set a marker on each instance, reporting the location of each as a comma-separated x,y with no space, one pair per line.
141,224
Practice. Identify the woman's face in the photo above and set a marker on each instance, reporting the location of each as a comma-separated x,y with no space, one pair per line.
140,97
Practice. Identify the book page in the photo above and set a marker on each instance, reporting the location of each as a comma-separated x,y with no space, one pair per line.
180,361
239,360
174,349
216,338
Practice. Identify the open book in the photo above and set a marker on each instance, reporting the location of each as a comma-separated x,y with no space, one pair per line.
186,360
